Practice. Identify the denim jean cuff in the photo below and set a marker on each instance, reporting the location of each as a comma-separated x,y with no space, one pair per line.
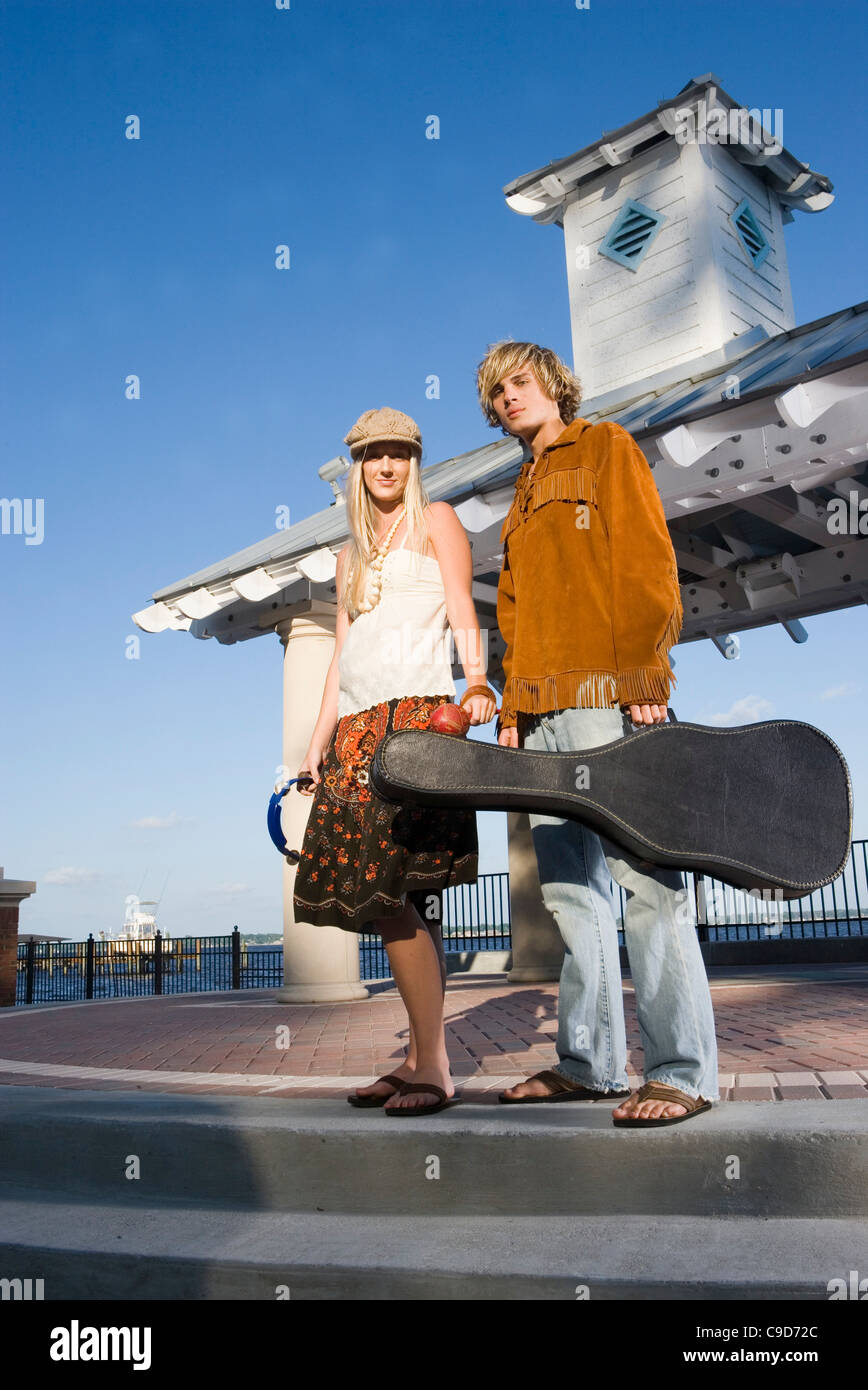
688,1090
604,1089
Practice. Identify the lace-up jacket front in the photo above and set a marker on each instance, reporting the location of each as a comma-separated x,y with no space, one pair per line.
588,599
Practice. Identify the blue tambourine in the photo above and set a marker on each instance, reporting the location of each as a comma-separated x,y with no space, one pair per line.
275,829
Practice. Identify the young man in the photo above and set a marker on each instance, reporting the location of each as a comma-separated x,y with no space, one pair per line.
589,606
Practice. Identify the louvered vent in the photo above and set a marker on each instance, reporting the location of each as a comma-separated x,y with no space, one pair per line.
750,233
631,234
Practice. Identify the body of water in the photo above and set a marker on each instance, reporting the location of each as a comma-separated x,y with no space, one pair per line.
59,969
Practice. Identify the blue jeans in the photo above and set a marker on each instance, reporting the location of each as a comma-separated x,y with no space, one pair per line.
673,1001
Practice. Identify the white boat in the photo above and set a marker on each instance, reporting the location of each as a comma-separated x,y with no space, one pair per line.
139,928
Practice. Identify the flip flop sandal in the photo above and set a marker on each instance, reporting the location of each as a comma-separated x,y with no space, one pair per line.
443,1103
564,1090
657,1090
372,1102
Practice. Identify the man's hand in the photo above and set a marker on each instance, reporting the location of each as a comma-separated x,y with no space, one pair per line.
648,714
508,738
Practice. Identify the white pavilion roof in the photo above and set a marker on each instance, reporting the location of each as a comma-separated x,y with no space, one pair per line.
746,485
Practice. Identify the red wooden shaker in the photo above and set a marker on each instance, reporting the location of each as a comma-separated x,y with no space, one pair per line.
449,719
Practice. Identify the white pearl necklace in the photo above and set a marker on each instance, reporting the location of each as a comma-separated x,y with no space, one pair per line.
375,575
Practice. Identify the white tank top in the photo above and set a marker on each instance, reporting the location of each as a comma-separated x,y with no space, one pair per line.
402,646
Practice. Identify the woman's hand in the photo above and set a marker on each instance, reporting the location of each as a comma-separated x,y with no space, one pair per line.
481,708
311,764
508,738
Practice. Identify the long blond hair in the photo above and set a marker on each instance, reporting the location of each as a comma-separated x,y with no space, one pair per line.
362,517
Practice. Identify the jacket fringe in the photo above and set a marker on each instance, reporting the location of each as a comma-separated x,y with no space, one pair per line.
561,485
644,685
637,685
565,485
569,690
641,685
672,633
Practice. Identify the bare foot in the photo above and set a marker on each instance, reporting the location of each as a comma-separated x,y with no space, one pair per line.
631,1109
385,1088
532,1087
439,1075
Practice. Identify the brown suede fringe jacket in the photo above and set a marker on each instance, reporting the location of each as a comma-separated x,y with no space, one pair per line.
588,600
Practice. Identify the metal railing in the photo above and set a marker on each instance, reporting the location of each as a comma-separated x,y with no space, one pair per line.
473,917
50,970
723,913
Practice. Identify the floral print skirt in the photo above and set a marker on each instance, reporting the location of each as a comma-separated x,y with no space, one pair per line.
361,854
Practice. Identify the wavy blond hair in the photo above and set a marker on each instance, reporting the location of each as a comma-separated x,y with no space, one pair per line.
553,375
362,518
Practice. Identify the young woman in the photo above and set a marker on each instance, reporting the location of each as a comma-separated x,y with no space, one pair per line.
403,580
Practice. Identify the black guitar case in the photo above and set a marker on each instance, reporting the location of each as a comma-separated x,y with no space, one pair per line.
766,806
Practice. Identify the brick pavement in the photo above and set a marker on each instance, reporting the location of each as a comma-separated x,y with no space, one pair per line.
792,1034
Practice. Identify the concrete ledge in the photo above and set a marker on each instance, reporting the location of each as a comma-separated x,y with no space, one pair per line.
478,962
801,1159
831,950
100,1251
754,955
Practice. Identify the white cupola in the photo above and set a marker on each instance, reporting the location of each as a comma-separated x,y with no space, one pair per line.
674,233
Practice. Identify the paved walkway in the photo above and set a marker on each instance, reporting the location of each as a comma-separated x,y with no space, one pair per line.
792,1033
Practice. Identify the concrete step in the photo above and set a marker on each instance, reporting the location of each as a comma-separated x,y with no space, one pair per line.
101,1250
789,1159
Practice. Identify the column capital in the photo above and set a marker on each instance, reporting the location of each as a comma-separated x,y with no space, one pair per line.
314,615
14,890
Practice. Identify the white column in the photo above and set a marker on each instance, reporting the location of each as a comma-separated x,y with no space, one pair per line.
319,963
537,946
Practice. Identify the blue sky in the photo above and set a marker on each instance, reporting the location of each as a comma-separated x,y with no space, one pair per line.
305,126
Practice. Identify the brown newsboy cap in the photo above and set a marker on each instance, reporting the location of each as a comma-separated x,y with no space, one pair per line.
384,426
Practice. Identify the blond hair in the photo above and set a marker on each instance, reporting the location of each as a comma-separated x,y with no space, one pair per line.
362,518
553,375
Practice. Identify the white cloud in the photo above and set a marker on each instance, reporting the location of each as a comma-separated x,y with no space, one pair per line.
749,710
157,822
69,877
839,692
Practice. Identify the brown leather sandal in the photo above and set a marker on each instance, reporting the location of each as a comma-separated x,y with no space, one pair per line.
371,1102
429,1086
563,1089
658,1090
